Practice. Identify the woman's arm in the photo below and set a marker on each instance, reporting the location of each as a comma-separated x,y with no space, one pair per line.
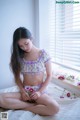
45,83
24,94
48,76
20,84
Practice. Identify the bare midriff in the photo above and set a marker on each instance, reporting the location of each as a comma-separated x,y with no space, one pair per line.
33,79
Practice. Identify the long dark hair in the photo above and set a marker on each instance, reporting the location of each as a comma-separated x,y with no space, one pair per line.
18,53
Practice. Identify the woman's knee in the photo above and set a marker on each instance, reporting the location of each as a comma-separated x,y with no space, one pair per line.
3,100
3,96
54,108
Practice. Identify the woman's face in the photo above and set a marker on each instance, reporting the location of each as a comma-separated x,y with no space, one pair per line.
25,44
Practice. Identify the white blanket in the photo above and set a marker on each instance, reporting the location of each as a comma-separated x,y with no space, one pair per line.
69,107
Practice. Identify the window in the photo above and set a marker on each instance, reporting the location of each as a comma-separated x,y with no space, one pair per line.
76,17
64,34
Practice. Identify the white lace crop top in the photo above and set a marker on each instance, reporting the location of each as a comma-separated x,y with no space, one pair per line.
37,66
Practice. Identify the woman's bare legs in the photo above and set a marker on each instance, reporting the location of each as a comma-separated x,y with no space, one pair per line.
13,101
45,106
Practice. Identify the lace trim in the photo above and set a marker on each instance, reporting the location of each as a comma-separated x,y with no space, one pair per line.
32,72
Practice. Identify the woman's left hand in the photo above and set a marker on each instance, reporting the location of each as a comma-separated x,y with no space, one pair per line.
35,95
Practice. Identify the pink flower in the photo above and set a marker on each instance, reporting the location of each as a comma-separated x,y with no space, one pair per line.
78,84
68,95
31,90
61,77
61,97
27,88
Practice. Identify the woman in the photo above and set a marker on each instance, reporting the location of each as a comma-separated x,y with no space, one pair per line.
32,63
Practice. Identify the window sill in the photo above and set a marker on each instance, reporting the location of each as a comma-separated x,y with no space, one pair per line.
71,86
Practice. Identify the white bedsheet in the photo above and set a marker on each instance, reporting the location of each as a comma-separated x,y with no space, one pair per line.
69,108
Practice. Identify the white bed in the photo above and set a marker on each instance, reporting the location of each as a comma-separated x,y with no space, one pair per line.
69,106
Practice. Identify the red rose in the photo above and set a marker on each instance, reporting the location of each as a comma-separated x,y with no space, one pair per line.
61,77
68,95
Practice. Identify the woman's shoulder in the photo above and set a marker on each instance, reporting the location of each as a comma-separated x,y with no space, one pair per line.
45,55
43,51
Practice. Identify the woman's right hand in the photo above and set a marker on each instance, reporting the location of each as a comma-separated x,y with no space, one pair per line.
24,95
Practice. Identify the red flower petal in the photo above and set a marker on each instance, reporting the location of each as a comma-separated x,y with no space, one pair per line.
68,95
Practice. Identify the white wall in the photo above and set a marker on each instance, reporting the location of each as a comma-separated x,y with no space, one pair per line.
42,23
32,14
13,14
